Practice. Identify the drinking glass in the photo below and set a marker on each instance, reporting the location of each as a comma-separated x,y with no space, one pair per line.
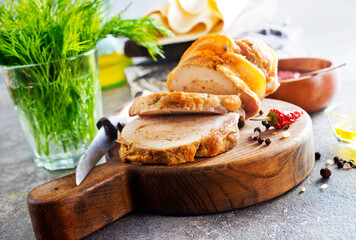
58,104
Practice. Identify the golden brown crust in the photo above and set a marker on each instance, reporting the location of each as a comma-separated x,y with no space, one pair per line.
184,103
178,155
210,45
221,141
262,56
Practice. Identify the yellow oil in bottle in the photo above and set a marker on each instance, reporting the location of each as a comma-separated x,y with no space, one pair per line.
111,69
346,130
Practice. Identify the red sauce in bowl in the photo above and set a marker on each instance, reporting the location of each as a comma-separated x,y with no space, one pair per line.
288,74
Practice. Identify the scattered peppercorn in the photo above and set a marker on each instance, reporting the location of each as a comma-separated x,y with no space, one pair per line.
260,112
351,163
347,166
267,126
286,127
268,141
317,155
286,134
336,159
264,123
263,128
325,172
340,164
255,134
241,124
255,138
257,129
260,140
330,162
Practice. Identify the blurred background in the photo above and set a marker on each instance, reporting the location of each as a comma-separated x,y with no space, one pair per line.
321,28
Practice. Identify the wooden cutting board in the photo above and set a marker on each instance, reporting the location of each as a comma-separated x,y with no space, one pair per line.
248,174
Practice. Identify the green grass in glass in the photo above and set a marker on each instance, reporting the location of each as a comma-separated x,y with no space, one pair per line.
58,104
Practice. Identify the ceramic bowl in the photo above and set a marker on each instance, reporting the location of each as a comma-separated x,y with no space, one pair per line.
310,93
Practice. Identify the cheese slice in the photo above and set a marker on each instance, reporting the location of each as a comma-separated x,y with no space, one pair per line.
191,19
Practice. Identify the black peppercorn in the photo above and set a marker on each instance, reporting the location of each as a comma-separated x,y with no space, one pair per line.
264,123
336,159
325,172
241,124
260,112
286,127
257,129
340,164
255,138
317,155
351,163
260,140
267,126
268,141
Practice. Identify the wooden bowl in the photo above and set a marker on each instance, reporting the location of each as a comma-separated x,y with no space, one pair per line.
312,93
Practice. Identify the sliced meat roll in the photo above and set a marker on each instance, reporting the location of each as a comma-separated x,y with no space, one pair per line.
177,139
184,103
215,64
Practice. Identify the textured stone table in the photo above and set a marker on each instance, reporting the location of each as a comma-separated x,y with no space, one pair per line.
329,31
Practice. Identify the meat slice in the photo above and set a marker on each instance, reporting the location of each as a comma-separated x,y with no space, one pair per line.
215,64
177,139
203,75
184,103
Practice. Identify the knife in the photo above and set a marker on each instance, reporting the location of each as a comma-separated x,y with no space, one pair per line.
109,129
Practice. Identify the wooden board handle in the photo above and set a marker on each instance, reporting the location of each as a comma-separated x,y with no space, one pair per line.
62,210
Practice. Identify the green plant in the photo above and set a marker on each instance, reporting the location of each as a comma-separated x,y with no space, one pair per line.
57,96
40,31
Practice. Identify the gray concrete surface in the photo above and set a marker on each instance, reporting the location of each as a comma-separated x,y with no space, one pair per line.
329,30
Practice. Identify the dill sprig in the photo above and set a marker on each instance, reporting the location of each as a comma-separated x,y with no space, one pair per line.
40,31
58,97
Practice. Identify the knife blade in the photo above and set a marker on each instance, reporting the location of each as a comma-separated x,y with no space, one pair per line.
104,140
